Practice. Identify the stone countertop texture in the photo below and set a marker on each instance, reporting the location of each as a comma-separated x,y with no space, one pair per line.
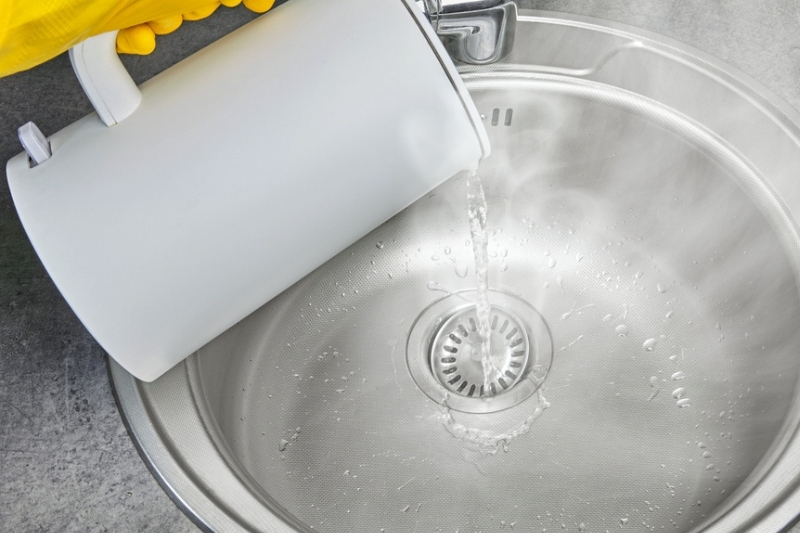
66,461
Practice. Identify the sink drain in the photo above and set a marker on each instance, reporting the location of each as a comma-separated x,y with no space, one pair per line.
444,357
456,353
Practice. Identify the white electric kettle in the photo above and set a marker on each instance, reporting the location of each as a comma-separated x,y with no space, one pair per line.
183,205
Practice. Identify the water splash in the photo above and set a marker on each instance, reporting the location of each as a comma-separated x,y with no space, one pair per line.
461,269
487,442
576,310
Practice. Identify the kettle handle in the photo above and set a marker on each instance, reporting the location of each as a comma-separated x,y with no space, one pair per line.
104,79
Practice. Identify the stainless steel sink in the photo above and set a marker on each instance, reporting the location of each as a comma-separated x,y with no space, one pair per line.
643,207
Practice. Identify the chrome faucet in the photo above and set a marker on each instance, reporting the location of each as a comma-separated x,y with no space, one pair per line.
473,31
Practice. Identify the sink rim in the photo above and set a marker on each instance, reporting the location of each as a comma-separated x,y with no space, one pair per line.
187,491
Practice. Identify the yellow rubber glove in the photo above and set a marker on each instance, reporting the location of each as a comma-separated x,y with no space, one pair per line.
34,31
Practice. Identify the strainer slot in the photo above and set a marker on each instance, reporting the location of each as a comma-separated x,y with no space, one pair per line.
504,326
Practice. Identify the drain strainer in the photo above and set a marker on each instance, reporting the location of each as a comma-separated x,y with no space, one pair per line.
456,353
444,354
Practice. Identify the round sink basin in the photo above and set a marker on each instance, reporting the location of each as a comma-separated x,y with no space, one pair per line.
642,216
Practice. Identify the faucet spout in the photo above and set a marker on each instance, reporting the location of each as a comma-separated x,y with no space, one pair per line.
478,32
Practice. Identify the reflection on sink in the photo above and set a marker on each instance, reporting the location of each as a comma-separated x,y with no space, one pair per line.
646,238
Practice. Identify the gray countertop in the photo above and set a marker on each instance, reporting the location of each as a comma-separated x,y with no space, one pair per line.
66,462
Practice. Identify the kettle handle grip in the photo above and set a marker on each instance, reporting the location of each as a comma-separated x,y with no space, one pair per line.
104,79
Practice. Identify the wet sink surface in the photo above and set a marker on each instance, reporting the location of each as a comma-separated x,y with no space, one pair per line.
655,246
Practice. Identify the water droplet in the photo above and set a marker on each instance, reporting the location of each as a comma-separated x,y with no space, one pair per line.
406,508
623,521
669,314
607,318
678,375
503,266
504,252
710,466
653,381
435,257
683,402
707,454
282,445
661,288
379,245
578,258
649,345
462,270
446,250
551,263
679,393
638,274
622,330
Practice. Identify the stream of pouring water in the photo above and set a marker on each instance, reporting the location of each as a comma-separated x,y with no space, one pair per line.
484,441
476,209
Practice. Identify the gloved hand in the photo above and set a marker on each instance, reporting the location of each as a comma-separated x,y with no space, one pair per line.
34,31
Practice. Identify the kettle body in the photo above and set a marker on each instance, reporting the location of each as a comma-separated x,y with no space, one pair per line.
243,168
